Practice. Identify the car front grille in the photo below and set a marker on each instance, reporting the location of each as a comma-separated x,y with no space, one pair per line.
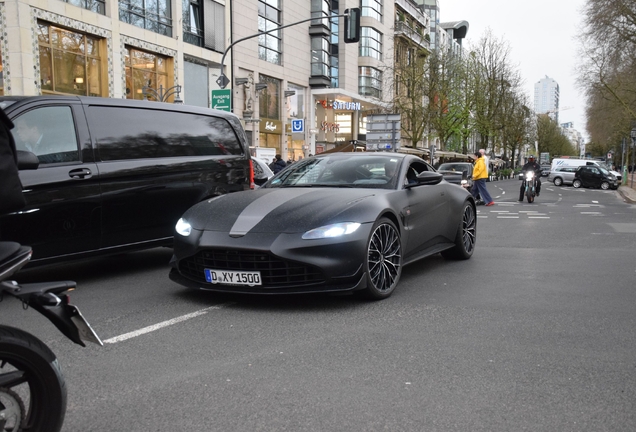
275,272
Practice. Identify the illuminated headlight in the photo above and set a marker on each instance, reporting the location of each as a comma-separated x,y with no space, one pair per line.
529,175
464,182
331,231
183,227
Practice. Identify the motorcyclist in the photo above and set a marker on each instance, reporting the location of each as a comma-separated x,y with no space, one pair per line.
531,165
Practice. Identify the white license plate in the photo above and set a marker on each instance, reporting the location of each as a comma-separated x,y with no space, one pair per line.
232,277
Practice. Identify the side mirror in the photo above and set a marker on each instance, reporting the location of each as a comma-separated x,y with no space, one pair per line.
27,160
428,178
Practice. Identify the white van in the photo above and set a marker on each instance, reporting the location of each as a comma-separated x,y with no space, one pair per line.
569,162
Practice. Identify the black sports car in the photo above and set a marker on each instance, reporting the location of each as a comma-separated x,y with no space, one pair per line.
331,223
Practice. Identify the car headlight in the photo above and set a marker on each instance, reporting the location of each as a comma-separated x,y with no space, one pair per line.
331,231
183,227
464,182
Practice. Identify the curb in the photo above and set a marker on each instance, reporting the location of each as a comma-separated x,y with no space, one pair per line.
628,194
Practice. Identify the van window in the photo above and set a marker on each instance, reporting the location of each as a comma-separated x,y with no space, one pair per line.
132,133
49,132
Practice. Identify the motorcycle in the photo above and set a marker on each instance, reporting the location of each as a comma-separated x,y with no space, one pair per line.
530,186
32,387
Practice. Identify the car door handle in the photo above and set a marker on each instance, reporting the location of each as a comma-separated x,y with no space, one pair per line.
80,173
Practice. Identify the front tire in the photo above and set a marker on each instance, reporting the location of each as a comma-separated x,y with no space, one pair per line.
383,262
466,236
576,183
605,185
29,367
530,196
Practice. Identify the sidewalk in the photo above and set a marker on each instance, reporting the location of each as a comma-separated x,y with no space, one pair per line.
628,191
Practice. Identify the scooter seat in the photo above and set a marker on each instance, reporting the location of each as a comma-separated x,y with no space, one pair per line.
7,249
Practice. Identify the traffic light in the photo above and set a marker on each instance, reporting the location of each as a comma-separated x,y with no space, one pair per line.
352,25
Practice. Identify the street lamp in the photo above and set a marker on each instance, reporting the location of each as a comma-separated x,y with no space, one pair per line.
162,94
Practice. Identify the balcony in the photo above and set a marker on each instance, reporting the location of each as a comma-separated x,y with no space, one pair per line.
402,29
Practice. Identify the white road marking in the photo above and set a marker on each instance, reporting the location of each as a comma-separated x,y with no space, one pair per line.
592,213
538,217
164,324
507,217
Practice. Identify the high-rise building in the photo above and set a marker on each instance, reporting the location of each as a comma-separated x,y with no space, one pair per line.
546,97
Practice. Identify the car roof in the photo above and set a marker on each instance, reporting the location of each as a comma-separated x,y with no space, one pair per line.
134,103
344,155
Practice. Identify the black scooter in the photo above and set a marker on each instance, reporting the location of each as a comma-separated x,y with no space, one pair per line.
32,388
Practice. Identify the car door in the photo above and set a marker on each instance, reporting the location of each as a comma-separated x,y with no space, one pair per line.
63,214
427,214
154,164
593,177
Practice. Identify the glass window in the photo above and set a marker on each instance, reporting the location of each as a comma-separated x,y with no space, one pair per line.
269,44
98,6
319,10
49,133
152,134
319,57
269,99
370,43
370,82
214,25
144,69
151,15
192,23
372,8
70,62
1,75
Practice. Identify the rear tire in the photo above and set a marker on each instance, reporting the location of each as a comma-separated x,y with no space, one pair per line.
576,183
466,236
42,379
558,181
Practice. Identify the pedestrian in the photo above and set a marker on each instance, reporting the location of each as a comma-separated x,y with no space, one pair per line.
480,174
278,164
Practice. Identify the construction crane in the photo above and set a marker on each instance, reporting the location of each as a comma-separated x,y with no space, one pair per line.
554,111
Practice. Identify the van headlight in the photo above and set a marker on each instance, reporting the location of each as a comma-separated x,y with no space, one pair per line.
183,227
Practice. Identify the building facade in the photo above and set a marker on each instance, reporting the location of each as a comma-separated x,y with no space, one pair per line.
177,49
546,97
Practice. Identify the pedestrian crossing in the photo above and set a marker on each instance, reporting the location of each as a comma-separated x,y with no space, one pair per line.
515,210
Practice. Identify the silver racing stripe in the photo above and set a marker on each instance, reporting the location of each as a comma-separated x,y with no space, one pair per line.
259,209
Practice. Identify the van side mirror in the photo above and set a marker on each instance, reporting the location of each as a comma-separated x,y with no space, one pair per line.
27,160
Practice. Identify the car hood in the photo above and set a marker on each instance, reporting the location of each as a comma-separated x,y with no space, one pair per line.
289,210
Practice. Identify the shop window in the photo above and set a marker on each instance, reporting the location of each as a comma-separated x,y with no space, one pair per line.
269,99
145,69
70,62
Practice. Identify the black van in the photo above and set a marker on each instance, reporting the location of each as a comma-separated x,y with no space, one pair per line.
117,174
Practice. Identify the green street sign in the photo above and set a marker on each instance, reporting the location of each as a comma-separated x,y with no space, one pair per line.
222,99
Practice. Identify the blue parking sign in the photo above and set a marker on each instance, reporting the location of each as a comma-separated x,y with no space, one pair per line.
298,125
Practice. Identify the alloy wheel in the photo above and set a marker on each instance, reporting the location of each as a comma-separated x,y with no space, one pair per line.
384,257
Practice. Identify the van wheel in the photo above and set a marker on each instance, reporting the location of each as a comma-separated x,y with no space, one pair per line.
576,183
605,185
558,181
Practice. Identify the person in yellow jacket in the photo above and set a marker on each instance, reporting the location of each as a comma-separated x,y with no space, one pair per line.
480,174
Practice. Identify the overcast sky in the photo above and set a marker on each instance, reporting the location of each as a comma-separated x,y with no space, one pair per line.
541,35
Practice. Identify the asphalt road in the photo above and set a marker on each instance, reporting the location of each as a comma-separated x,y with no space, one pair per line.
535,333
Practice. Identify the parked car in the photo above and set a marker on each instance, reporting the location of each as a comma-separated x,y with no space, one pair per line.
116,174
594,177
460,173
339,222
563,175
262,172
545,170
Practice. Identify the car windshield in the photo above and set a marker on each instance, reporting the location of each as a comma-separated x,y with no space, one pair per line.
604,171
339,170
